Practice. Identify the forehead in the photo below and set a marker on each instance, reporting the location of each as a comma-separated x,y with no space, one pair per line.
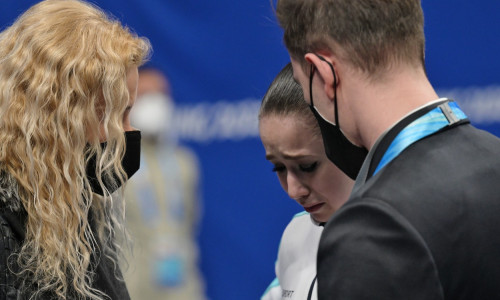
288,136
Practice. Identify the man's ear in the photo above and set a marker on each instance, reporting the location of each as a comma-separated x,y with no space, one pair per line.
324,71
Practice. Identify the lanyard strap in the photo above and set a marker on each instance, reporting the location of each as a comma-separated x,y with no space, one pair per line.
443,115
311,289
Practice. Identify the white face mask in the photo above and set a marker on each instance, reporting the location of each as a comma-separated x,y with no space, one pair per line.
152,114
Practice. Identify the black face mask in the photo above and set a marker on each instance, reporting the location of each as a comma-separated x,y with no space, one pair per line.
344,154
130,163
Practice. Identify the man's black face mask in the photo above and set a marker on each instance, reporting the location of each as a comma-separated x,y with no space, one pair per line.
130,163
344,154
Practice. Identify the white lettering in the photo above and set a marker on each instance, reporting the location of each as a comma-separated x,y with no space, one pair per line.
286,294
480,104
208,122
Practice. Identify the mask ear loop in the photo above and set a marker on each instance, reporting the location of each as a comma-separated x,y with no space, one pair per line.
310,85
334,90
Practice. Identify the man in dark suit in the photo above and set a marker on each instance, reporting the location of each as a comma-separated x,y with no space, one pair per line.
421,222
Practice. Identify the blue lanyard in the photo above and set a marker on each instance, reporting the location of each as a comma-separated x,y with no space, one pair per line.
433,121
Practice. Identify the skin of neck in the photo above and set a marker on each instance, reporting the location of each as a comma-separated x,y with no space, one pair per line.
375,104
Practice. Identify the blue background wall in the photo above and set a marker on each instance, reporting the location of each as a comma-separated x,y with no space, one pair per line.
220,57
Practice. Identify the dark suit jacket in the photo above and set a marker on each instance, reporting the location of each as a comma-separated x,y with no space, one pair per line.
427,226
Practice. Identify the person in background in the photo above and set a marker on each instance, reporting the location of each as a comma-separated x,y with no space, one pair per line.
163,201
422,220
293,144
68,81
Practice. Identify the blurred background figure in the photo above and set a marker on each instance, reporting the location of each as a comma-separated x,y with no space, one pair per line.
163,204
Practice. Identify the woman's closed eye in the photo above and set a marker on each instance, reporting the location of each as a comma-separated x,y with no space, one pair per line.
278,168
309,167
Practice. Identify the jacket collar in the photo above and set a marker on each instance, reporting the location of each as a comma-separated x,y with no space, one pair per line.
11,208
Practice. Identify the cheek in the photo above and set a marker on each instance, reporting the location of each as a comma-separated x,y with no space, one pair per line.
283,182
102,133
335,187
326,183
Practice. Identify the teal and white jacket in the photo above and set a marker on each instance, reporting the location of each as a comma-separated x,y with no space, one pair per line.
296,265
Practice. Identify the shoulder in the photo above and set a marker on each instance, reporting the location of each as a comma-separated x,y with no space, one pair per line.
183,154
10,241
184,157
301,219
12,214
299,241
301,228
438,180
12,226
442,151
369,244
369,213
5,230
430,169
296,265
8,245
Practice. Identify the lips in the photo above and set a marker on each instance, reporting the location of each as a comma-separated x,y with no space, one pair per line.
314,208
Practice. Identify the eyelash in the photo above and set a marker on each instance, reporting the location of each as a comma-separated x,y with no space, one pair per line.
308,168
278,169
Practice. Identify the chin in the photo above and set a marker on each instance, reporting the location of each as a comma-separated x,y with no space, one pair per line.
319,219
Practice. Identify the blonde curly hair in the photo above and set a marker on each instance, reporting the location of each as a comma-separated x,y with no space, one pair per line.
63,73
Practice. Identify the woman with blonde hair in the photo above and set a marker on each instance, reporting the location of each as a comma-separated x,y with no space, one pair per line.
68,79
